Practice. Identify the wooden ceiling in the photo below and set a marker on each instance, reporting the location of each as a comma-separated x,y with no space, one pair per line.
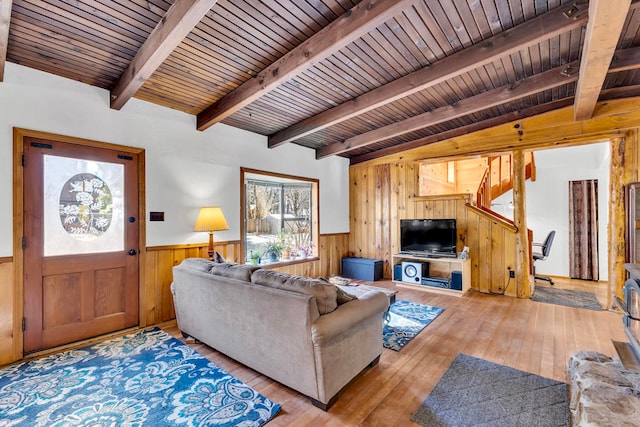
360,79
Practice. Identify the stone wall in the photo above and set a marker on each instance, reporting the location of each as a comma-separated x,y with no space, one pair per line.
603,392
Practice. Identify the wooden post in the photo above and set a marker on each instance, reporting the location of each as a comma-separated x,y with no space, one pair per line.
620,174
523,260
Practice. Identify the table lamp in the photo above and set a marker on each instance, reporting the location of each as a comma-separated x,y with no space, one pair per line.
211,219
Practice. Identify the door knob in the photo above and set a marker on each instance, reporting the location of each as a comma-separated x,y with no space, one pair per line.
132,252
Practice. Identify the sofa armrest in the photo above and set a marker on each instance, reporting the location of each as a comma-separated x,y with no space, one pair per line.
347,316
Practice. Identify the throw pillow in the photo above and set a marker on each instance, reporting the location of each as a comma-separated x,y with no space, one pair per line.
218,258
343,297
199,264
234,271
326,294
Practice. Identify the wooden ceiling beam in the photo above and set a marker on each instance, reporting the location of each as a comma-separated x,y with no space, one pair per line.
606,20
352,25
398,150
620,92
556,127
538,83
625,59
5,21
180,19
543,27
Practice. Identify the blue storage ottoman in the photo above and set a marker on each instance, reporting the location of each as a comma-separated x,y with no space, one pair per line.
362,268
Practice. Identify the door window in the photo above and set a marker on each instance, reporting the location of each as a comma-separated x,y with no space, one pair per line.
83,206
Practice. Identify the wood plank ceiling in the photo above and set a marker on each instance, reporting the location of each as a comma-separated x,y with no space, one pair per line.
359,79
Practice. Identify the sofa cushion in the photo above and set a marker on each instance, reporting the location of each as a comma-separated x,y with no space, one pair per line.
326,294
198,264
234,271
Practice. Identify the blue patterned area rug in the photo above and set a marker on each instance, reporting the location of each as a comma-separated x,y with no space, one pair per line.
143,379
477,392
405,321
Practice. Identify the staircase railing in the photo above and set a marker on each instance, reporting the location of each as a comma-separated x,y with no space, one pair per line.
483,196
498,178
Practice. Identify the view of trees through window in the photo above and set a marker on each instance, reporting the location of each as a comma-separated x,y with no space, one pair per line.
278,216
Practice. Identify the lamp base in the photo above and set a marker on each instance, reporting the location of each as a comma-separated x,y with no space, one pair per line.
211,251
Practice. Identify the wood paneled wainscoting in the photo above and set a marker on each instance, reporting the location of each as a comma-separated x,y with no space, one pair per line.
161,259
156,302
158,274
7,304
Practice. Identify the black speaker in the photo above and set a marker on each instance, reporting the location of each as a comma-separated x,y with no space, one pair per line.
456,280
397,272
414,271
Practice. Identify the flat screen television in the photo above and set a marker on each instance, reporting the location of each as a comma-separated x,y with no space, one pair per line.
431,237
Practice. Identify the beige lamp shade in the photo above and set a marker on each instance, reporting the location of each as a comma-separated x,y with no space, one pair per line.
211,219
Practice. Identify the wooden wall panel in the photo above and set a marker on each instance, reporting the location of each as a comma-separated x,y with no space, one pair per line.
491,245
411,181
473,228
397,203
6,312
484,248
160,260
158,304
434,179
375,200
333,247
445,207
497,278
495,254
451,177
156,299
357,179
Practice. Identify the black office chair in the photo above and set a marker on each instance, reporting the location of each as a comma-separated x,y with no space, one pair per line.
545,248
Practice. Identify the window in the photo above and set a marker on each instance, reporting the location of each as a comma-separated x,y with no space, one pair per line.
280,217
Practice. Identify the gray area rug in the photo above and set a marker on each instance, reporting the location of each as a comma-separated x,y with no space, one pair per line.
570,298
476,392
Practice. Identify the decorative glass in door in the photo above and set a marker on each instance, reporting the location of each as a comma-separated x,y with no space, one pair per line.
83,206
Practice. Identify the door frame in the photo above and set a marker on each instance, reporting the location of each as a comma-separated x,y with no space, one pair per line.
19,135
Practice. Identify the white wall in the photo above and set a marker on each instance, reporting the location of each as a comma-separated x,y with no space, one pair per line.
548,201
185,168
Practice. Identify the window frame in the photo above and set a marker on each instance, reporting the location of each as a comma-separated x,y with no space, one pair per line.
315,211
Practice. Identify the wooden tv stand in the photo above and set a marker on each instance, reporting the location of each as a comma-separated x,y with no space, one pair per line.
439,267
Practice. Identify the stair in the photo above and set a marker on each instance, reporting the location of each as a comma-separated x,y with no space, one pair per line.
498,178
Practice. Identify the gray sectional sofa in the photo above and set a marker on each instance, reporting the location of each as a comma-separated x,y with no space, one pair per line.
304,333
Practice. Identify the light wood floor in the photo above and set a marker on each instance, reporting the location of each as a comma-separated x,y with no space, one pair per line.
527,335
